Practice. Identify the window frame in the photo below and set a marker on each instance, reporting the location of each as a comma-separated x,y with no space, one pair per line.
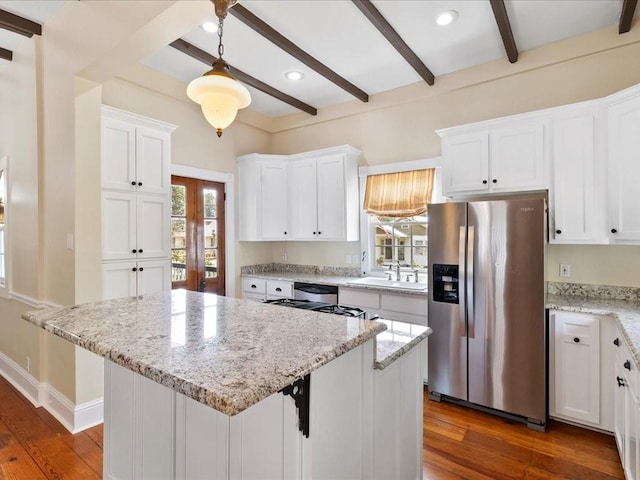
368,265
5,288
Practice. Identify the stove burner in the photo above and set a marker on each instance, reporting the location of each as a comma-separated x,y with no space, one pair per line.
340,310
291,302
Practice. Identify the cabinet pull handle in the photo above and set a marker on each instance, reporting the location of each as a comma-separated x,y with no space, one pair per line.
495,180
134,269
616,342
613,230
133,183
253,286
278,289
576,339
484,181
558,232
627,365
620,381
133,251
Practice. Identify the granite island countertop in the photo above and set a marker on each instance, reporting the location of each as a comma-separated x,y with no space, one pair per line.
226,353
625,312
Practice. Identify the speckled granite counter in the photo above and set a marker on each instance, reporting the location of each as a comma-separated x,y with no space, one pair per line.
625,312
225,353
396,340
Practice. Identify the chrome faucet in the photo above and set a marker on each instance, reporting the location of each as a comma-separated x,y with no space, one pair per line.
415,272
397,265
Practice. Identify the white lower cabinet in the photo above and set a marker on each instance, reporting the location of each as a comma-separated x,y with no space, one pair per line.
131,278
627,406
581,369
361,427
403,308
260,289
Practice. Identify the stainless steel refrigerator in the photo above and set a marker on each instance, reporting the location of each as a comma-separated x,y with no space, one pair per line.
486,305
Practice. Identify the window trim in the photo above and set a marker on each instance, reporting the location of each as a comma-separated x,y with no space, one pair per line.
6,288
367,248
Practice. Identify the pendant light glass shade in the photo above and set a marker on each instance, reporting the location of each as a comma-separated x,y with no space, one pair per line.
220,96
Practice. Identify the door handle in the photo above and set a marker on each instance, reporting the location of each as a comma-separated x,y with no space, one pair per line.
203,286
620,381
462,247
470,290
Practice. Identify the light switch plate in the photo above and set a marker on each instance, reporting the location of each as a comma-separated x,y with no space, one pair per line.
565,270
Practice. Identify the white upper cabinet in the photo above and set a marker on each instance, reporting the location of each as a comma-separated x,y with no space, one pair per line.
135,156
623,115
577,197
493,157
263,197
308,196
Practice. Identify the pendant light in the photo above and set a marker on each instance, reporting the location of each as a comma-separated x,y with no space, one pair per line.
218,93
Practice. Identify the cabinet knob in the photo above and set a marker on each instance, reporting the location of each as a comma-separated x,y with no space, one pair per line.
620,381
139,184
133,183
319,233
314,233
576,340
495,180
558,232
141,269
134,269
627,365
134,251
285,233
485,182
616,342
139,250
613,230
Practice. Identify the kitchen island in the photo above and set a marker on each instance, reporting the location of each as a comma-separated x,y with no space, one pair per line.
201,386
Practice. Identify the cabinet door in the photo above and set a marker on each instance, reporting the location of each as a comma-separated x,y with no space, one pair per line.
465,163
118,225
304,199
118,280
577,366
624,170
331,198
575,204
152,161
118,155
631,430
273,176
153,229
153,276
517,158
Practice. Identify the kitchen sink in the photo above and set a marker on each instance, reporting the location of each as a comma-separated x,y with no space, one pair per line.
383,282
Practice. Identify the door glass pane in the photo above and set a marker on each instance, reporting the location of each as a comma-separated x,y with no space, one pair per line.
178,233
178,206
211,262
178,265
211,234
210,202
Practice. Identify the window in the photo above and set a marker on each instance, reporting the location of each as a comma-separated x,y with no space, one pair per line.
4,188
388,240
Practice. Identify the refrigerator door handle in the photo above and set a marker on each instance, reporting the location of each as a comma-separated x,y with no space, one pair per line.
469,280
462,248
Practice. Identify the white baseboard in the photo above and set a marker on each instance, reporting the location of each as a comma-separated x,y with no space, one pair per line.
74,418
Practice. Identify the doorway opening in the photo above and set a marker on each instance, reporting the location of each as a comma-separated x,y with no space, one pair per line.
197,235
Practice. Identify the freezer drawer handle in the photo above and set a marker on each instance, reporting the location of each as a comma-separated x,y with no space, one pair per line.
616,342
576,339
620,381
627,365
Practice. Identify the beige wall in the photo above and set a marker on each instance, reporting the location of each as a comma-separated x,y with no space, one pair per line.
406,132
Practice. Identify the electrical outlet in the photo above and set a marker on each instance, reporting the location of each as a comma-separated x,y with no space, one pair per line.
348,259
565,270
355,259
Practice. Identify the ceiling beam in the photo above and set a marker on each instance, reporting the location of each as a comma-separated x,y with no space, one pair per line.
385,28
275,37
502,19
205,57
6,54
626,16
19,25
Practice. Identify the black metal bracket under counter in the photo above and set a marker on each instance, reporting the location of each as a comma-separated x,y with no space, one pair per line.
300,392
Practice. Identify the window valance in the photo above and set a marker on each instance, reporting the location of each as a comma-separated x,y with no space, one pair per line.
401,194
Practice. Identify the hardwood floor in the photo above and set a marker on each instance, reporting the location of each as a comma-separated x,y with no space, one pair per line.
459,443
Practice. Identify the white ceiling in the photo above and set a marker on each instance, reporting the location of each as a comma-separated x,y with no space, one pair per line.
337,34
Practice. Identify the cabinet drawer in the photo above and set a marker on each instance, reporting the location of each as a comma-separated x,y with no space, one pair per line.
254,285
405,317
359,298
256,297
279,289
405,304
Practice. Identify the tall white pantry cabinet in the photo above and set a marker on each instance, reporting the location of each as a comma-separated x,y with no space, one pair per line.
136,204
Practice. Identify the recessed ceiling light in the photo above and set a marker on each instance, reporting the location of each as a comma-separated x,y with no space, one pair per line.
210,27
294,75
446,18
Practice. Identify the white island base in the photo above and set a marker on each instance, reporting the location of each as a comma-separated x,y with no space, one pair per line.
364,424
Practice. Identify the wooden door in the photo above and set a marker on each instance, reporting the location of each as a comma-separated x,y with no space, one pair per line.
197,235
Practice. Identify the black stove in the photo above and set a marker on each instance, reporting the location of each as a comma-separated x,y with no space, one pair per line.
320,307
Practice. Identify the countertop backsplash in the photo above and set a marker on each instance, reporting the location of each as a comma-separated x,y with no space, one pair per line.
303,269
609,292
